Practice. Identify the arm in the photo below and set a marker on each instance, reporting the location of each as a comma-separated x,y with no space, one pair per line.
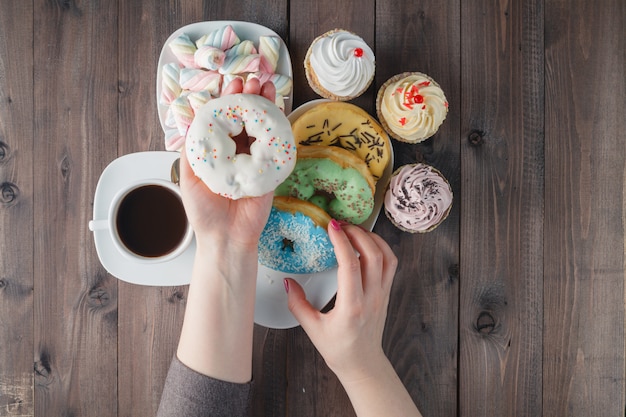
349,337
216,338
213,363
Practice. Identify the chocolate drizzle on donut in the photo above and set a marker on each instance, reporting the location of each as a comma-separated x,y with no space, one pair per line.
355,139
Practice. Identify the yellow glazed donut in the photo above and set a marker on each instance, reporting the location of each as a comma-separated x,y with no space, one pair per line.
241,145
347,126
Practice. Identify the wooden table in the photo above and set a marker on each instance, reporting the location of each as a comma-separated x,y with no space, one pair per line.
514,306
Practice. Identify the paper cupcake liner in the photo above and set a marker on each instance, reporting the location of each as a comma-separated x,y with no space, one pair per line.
312,77
399,226
379,98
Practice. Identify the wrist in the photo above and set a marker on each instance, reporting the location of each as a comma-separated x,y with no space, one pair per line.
225,246
379,380
374,366
225,266
220,303
226,251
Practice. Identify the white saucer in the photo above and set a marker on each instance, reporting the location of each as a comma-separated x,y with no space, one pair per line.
271,301
118,174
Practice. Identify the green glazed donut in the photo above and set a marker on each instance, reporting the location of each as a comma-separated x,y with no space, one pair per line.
335,180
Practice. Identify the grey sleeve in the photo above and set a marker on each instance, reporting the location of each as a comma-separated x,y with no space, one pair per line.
188,393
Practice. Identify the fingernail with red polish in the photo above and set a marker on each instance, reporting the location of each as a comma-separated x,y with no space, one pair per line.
335,224
286,284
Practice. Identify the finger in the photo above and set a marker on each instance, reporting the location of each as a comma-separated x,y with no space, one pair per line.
371,257
349,281
187,175
268,90
299,306
234,87
265,199
252,86
263,205
390,262
184,164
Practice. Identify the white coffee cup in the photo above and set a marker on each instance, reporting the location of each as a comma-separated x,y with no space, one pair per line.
147,221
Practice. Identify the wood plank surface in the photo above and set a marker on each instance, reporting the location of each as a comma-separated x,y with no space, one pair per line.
312,389
514,306
421,338
75,121
149,317
501,300
16,210
583,355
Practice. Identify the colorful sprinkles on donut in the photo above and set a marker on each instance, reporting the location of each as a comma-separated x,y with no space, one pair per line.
241,145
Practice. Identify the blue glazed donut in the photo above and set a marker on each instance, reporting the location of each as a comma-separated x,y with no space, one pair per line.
295,239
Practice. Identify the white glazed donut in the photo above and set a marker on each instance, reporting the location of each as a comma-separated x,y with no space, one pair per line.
222,124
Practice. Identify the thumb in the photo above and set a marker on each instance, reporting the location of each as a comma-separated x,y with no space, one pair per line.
299,306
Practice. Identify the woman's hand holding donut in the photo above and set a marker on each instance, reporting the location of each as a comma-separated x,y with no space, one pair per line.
252,86
223,285
227,221
218,219
349,337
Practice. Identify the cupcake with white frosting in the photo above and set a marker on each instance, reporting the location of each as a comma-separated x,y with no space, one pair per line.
418,199
339,65
411,107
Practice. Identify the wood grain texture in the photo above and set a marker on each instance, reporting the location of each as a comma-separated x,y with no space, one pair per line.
312,389
513,306
269,370
501,304
152,325
421,338
149,317
16,210
317,18
75,123
584,238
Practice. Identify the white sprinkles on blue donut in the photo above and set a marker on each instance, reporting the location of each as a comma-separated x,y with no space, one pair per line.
294,244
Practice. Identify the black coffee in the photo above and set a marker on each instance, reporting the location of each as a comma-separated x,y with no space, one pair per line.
151,221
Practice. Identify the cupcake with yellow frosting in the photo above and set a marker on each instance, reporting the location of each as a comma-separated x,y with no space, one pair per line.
339,65
411,107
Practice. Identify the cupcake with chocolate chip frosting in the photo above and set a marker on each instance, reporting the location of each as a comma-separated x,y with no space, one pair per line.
411,107
418,199
339,65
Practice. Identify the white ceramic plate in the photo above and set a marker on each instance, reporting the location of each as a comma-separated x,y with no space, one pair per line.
271,301
118,174
245,31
